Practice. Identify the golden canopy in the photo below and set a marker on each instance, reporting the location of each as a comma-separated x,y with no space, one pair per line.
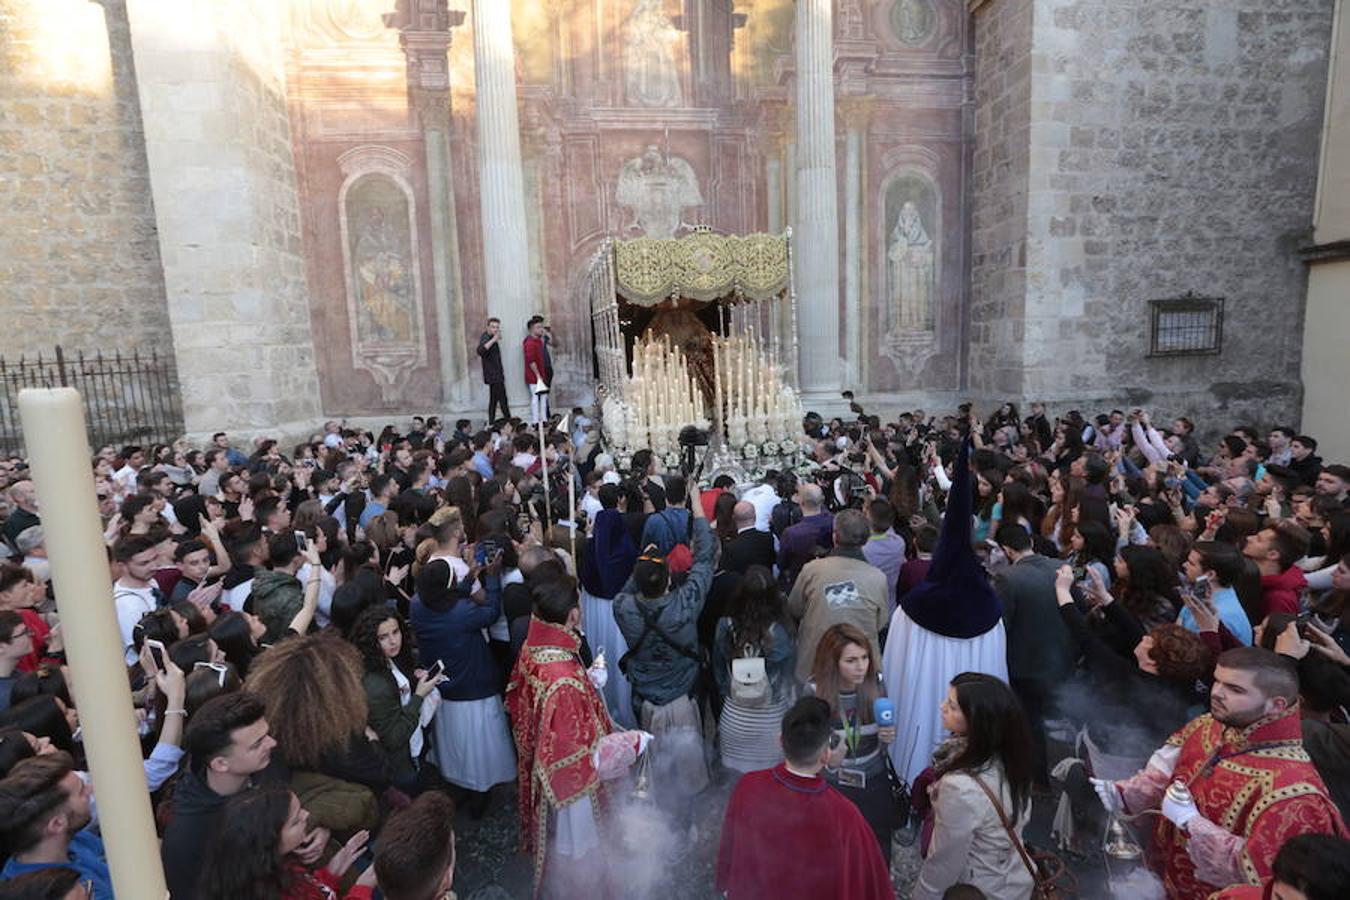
703,266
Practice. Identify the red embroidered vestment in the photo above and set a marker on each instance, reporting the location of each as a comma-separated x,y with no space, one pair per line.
1256,783
557,718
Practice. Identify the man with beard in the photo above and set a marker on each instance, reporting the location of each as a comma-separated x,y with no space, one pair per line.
44,808
1251,786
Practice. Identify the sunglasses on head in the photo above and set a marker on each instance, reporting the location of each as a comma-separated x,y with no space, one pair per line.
220,669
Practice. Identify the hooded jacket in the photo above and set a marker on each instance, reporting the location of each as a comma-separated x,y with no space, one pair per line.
277,597
658,672
1282,593
192,812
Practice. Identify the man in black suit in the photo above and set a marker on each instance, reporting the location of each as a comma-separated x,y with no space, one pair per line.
749,547
490,352
1041,651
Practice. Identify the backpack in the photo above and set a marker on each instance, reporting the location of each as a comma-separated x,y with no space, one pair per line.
750,679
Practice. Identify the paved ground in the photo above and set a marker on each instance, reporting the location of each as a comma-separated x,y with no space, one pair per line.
489,867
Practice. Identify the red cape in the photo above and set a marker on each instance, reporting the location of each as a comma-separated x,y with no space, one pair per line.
788,837
557,718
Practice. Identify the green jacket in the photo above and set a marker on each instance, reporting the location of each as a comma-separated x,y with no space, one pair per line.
391,721
277,597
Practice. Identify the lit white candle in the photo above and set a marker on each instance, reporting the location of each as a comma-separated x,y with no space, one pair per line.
719,372
54,430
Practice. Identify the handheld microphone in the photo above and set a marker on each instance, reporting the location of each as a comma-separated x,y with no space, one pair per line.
883,712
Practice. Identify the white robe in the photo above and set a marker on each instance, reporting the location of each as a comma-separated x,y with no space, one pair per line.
602,633
917,666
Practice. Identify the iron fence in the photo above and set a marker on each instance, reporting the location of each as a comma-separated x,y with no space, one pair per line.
128,398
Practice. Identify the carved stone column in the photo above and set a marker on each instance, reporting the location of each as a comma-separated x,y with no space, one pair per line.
506,271
856,112
817,227
425,27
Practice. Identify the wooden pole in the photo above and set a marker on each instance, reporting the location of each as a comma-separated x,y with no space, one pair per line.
543,459
572,498
54,431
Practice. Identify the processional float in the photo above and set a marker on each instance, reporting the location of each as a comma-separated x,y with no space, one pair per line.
698,330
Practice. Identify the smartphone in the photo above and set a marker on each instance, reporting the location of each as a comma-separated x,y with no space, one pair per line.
1201,589
437,669
157,652
301,541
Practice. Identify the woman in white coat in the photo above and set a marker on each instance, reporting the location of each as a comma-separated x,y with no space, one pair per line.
992,764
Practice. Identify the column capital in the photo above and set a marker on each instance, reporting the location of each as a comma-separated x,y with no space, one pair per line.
856,111
424,33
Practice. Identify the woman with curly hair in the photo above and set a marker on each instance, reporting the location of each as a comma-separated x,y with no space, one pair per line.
401,698
316,708
252,857
1131,705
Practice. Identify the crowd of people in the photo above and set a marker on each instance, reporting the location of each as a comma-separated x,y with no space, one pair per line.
927,631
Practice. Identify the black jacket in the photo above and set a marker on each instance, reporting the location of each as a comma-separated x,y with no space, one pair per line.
1307,468
1125,708
194,810
1040,647
492,360
749,548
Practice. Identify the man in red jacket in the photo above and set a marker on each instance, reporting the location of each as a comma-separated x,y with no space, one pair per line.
1275,549
788,834
538,367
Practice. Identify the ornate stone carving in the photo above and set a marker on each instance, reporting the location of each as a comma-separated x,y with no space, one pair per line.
913,21
658,188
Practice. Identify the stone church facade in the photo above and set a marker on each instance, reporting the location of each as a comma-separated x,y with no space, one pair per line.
316,203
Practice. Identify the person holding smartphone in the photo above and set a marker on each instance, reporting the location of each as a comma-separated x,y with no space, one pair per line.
1211,569
473,745
401,697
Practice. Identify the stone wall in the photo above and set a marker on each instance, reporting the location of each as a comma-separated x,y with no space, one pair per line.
79,256
218,143
1173,148
999,172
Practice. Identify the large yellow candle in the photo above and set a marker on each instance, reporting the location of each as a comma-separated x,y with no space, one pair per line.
54,430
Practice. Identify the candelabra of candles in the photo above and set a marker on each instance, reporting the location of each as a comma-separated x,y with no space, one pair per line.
660,398
753,420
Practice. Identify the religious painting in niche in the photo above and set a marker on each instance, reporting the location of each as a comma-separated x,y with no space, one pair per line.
913,21
381,261
911,255
658,188
650,42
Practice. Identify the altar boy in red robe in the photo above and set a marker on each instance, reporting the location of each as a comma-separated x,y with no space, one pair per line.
566,748
1251,784
788,834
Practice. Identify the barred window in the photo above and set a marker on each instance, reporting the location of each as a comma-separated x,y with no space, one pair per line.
1186,326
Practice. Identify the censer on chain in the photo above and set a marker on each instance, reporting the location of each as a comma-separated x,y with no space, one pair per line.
642,787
